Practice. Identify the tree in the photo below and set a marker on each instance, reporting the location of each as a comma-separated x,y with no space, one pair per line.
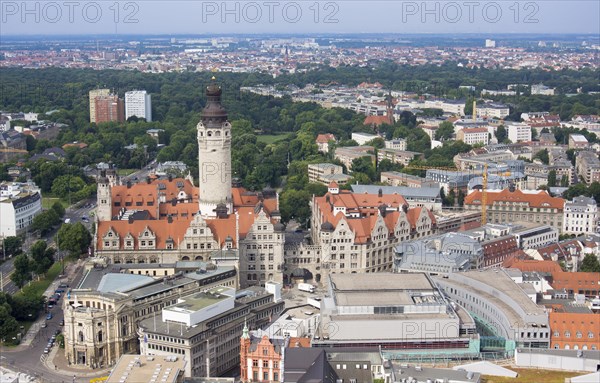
12,246
45,221
294,205
590,264
501,134
445,131
543,156
58,208
67,184
552,178
364,165
22,270
377,143
42,257
75,238
8,324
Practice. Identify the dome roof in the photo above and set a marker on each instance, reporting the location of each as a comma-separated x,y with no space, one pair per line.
327,226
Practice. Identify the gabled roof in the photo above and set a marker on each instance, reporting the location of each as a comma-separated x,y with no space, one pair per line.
367,206
540,199
324,138
376,120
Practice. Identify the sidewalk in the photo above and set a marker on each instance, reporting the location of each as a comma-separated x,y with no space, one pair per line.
29,337
57,362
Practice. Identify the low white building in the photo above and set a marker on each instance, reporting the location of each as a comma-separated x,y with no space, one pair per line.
518,132
363,138
472,136
19,204
580,216
397,143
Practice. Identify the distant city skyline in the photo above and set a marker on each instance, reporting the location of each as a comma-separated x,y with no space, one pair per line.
147,17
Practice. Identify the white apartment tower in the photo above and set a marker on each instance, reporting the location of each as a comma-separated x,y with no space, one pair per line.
138,104
214,155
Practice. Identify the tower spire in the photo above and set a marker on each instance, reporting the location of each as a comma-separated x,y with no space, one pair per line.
245,332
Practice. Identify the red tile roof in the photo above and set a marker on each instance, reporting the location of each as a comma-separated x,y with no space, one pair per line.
367,207
324,138
532,265
376,120
139,196
541,199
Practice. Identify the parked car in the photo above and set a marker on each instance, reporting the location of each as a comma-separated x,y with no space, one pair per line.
63,285
49,316
56,332
62,323
44,325
47,350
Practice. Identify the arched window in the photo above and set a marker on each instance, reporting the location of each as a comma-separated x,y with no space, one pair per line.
209,133
186,258
80,336
218,133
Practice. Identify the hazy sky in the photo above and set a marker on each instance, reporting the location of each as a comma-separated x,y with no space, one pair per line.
300,16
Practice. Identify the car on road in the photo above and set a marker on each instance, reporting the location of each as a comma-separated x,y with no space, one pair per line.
50,305
53,338
68,220
49,316
63,286
46,350
56,332
62,323
44,325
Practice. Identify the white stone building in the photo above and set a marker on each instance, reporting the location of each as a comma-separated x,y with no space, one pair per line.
518,132
19,204
138,103
580,216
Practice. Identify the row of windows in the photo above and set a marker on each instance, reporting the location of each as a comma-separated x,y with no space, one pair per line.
265,363
159,347
578,334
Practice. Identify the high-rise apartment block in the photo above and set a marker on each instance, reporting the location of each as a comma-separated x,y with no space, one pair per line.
138,103
93,94
109,109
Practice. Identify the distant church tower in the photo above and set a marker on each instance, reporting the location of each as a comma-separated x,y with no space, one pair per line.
214,154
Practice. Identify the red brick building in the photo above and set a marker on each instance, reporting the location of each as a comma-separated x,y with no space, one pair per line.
497,250
109,108
260,357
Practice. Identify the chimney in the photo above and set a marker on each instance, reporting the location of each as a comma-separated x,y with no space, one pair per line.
148,180
130,219
170,178
380,193
174,201
128,184
170,218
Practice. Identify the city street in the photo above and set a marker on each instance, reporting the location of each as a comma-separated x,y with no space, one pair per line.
30,358
74,213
